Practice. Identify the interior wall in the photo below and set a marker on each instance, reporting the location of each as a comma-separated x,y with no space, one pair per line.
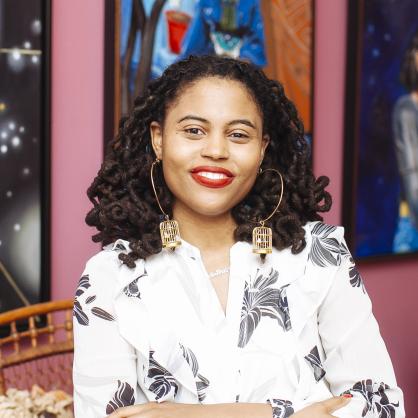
77,101
392,285
76,134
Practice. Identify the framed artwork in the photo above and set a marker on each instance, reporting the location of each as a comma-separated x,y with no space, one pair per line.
24,152
381,129
143,37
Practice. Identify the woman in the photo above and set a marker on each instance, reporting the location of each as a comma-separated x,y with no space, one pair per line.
217,326
405,135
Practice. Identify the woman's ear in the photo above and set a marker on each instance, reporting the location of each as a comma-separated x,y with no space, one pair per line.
264,145
157,139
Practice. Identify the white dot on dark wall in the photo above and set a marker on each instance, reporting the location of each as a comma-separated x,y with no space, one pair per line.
15,141
1,243
35,59
3,149
26,171
27,45
16,227
15,60
3,135
12,126
9,194
34,140
22,129
16,55
36,26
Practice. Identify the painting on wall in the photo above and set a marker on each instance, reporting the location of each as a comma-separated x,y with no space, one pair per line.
381,145
24,152
143,37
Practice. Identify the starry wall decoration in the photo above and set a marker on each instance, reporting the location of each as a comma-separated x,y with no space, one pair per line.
24,152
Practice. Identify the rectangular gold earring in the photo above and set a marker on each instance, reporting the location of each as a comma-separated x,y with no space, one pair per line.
170,234
262,240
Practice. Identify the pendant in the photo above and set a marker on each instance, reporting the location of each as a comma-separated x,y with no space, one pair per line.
262,240
170,234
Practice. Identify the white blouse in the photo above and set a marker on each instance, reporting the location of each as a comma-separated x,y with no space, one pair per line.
298,329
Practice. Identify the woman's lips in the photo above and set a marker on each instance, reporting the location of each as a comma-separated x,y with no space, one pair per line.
214,177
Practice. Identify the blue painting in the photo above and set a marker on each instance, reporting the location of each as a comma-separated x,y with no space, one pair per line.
385,196
152,34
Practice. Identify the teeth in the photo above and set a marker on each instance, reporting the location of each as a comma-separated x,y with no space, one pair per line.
209,175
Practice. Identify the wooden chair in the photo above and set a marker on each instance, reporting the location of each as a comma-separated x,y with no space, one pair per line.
38,347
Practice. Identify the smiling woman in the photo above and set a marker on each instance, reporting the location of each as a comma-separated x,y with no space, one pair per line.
178,315
225,132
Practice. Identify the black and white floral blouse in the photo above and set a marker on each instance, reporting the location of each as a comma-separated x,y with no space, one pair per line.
298,329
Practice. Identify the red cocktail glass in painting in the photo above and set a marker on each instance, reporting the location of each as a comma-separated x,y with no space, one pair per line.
178,23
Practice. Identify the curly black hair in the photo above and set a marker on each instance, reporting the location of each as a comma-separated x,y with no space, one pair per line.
124,203
409,71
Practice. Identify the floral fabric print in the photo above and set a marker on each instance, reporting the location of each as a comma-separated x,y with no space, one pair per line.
124,396
325,250
201,382
328,251
132,290
281,408
157,332
315,361
355,277
261,298
79,311
162,381
377,403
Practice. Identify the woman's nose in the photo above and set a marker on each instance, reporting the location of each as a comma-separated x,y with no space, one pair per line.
216,147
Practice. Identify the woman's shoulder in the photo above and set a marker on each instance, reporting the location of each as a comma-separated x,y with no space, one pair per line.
108,256
320,229
103,267
325,244
98,283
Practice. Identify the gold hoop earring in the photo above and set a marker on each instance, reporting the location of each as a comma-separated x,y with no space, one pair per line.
169,229
263,235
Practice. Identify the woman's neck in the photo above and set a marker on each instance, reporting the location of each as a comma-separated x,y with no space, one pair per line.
204,232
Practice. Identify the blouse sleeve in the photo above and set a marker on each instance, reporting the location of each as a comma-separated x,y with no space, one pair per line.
104,369
356,358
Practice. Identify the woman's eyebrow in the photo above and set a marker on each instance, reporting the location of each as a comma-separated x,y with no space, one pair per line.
194,118
243,121
232,122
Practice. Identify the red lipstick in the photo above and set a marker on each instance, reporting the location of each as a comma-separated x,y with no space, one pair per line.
219,177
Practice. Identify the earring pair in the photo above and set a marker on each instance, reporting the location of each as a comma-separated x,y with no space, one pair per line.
262,235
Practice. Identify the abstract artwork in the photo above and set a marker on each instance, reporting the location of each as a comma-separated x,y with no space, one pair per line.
143,37
24,148
381,147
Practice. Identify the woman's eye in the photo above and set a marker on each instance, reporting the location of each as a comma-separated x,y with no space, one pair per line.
193,131
239,135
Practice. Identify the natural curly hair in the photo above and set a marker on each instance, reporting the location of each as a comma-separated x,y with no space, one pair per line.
124,203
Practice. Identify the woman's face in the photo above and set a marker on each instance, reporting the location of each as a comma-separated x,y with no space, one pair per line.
211,145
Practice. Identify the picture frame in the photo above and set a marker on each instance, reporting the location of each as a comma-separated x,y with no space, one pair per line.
295,34
25,148
377,212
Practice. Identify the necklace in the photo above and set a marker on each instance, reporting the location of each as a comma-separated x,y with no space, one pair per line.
218,272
